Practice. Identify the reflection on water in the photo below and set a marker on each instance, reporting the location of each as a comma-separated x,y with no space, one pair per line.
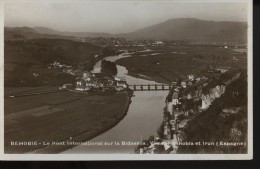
142,120
122,71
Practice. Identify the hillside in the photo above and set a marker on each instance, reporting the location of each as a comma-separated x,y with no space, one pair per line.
17,33
48,50
192,29
224,121
44,30
23,58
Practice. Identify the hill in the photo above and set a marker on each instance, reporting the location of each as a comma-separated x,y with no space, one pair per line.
192,29
14,33
24,58
44,30
224,121
49,50
172,29
18,33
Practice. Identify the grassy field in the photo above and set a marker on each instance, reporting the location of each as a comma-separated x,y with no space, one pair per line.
167,64
59,117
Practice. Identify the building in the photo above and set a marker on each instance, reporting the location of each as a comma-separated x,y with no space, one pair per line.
86,74
82,85
175,99
183,84
172,100
66,86
121,83
191,77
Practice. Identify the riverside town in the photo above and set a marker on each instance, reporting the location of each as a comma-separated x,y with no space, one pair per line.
156,83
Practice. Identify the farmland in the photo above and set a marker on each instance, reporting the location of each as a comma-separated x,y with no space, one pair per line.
58,117
167,64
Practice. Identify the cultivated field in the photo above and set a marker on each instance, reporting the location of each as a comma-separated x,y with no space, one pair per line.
59,117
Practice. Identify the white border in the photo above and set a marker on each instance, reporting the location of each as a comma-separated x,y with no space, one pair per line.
98,157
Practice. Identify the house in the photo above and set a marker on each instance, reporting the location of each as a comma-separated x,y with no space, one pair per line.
117,78
197,79
35,74
191,77
189,83
81,85
69,71
103,81
230,111
86,75
183,123
183,84
175,99
222,69
66,86
121,83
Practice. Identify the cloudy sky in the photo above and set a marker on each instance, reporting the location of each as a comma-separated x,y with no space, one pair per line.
115,16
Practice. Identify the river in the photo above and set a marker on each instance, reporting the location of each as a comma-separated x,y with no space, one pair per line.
142,120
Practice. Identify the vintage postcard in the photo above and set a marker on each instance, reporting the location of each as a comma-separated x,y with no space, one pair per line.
126,80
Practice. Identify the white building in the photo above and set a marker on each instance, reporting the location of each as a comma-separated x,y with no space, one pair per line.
175,99
172,100
183,84
191,77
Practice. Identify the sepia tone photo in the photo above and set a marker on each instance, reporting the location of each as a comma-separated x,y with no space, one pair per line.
127,77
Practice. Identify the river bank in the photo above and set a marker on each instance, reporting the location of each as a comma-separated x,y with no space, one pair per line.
142,120
50,121
132,128
84,137
171,64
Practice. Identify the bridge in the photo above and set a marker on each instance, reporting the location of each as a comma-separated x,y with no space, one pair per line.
149,87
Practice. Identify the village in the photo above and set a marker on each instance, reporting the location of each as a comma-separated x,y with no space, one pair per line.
90,82
184,101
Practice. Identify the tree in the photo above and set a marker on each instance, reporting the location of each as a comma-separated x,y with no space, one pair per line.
108,67
179,82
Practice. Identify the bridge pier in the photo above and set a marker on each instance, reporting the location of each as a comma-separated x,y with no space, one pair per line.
155,87
149,87
141,87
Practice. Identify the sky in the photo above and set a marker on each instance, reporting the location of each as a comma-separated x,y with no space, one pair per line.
116,16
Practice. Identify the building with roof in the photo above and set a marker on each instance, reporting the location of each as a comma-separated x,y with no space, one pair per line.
175,98
172,100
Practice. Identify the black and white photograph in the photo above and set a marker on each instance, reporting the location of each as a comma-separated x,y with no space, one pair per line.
127,80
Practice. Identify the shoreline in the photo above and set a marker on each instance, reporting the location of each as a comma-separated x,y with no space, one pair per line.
87,136
150,78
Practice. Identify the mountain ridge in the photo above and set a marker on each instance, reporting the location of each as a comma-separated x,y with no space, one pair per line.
171,29
192,29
